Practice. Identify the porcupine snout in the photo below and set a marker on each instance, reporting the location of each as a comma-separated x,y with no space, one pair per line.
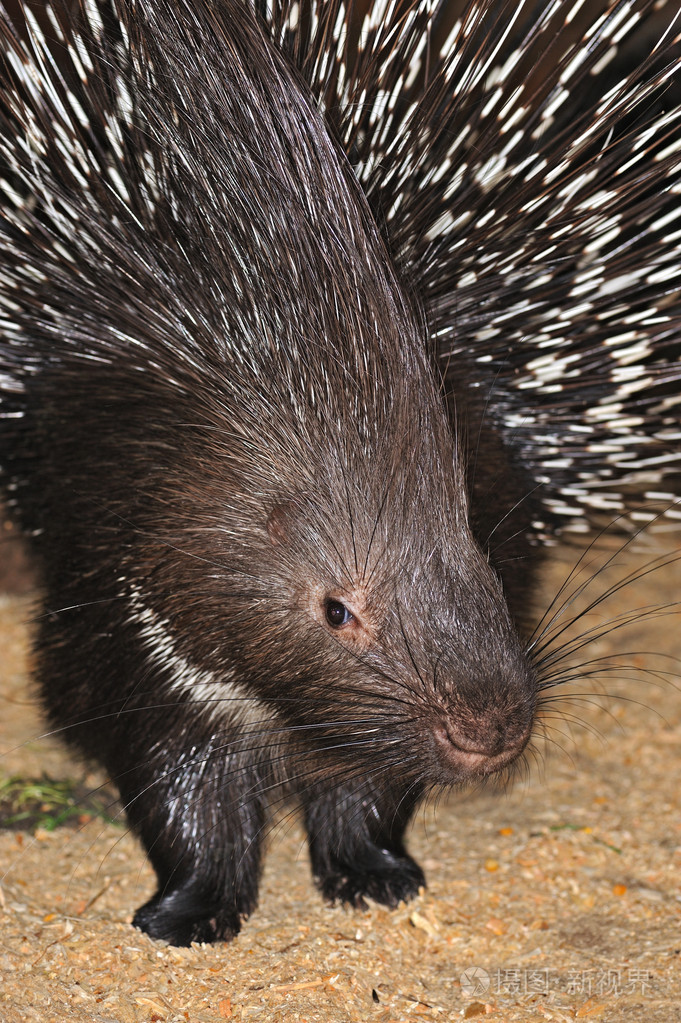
483,721
480,694
475,742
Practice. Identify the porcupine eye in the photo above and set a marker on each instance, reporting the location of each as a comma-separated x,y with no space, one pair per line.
337,614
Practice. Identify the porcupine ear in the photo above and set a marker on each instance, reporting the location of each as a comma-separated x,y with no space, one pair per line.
278,523
281,519
503,204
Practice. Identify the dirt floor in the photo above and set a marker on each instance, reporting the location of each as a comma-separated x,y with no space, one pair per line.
558,901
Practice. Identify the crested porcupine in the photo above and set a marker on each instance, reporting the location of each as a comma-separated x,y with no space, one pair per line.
315,322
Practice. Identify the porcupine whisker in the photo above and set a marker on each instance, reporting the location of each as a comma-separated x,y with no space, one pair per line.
435,667
35,619
532,760
547,653
562,740
564,663
566,720
542,634
569,718
372,724
546,704
377,518
590,699
554,689
590,669
546,729
551,685
579,673
495,551
550,653
565,596
407,645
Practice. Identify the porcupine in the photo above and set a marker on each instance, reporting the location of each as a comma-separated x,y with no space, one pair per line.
285,370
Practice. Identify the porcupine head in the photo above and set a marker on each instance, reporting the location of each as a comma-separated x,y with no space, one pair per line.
258,513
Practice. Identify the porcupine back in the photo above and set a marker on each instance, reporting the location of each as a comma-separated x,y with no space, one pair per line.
525,162
141,258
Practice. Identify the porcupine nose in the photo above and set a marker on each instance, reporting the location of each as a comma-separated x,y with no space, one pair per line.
488,752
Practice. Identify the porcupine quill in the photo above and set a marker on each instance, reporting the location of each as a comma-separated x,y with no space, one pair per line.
315,318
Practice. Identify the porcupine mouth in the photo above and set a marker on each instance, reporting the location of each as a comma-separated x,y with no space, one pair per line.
468,759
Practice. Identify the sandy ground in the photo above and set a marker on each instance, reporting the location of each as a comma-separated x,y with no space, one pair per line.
558,901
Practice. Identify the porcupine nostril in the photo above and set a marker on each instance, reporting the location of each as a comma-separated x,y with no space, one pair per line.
468,757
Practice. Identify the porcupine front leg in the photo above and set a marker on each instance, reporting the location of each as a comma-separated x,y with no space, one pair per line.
199,817
191,791
357,848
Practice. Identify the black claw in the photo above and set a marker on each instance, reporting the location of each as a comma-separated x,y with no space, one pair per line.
179,919
399,881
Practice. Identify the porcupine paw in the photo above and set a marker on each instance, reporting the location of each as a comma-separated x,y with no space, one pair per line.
396,878
179,918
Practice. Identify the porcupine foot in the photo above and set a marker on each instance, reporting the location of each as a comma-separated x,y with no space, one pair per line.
184,915
356,847
205,907
388,879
